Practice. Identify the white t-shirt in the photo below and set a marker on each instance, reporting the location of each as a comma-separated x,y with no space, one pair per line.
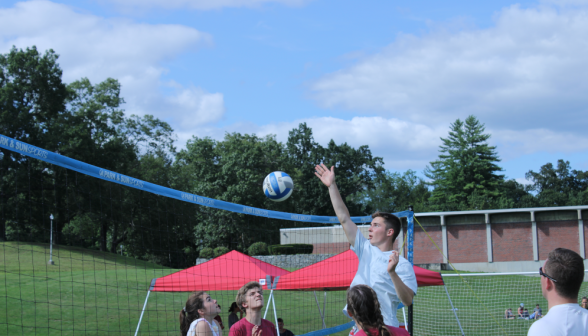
373,271
564,319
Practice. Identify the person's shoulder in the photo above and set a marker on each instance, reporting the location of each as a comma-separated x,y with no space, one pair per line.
543,327
268,323
202,326
242,323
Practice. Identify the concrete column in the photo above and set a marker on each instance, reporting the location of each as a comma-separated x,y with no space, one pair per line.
581,234
444,237
488,237
534,233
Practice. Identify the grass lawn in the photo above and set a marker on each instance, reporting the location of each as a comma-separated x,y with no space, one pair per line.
89,292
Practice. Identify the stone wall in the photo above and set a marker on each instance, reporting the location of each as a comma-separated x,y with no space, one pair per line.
286,261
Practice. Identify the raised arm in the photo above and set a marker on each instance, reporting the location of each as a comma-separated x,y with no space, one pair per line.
328,178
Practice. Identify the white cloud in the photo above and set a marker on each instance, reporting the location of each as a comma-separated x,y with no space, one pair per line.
97,48
527,72
206,108
513,144
402,144
201,4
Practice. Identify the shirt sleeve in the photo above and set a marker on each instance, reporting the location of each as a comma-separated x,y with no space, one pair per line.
359,243
406,274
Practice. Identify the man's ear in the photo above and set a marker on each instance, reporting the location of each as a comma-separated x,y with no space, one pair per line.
390,232
549,285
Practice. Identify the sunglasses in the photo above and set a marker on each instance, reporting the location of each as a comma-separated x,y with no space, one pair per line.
545,275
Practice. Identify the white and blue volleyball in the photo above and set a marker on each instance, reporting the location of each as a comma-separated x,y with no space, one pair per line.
278,186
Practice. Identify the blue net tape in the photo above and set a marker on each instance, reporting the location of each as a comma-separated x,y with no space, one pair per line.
107,175
332,330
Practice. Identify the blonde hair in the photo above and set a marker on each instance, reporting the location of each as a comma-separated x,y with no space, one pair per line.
240,299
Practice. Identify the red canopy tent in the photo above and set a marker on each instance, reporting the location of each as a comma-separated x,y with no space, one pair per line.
337,272
227,272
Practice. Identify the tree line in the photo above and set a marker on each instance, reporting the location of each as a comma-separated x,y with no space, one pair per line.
85,121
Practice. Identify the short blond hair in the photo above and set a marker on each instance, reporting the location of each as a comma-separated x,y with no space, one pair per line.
240,299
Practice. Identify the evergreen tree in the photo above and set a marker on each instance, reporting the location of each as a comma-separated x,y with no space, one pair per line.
465,175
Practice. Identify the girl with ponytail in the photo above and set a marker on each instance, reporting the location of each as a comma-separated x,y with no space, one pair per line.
364,308
197,317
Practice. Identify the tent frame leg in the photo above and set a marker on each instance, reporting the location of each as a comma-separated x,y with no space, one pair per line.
142,311
276,317
453,309
319,308
269,301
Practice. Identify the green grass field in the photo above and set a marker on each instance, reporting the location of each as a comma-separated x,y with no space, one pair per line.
88,292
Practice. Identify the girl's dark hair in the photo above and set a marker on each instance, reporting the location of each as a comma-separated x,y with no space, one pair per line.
190,312
233,306
363,304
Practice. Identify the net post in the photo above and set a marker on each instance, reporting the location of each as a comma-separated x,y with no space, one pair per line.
409,255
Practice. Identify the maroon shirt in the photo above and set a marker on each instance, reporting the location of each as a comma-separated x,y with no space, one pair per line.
393,331
245,328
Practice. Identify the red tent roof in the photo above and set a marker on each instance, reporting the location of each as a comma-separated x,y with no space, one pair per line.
337,272
227,272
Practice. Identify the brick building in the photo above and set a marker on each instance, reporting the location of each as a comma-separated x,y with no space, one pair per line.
486,240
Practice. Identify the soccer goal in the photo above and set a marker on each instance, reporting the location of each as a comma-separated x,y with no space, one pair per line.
479,300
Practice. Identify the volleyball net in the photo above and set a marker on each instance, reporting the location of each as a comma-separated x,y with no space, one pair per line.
126,254
118,240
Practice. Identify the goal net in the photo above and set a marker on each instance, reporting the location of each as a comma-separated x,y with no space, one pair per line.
475,304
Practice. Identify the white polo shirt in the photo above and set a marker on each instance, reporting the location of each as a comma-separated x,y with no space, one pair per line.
373,271
567,319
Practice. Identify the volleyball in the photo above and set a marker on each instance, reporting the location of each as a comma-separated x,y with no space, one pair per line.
278,186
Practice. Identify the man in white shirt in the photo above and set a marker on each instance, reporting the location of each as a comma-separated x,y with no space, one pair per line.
390,275
561,278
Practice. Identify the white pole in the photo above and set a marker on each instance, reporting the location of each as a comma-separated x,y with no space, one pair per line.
140,318
454,310
51,242
269,301
404,315
276,318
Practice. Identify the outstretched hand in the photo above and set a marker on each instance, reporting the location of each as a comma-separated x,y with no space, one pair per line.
327,176
393,262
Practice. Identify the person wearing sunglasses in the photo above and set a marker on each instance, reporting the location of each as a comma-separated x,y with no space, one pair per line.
561,277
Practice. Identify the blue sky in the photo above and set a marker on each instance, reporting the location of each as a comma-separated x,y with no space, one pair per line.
389,74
